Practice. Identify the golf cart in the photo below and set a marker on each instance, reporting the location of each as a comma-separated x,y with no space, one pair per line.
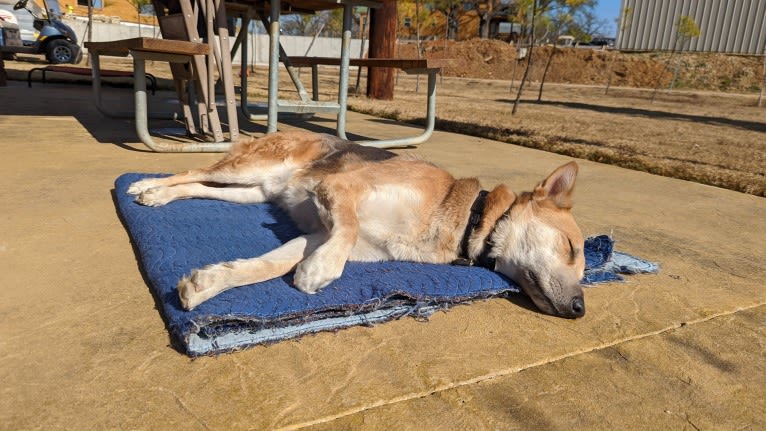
56,40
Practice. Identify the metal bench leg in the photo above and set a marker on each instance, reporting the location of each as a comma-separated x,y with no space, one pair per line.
96,78
430,120
243,104
29,75
271,125
152,82
142,123
345,60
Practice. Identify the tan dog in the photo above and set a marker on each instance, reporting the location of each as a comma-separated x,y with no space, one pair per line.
366,204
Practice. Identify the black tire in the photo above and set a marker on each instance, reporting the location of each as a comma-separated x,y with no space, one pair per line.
60,51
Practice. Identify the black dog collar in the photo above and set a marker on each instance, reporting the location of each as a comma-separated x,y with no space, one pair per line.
483,260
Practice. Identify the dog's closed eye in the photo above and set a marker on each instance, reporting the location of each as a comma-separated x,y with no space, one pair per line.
573,252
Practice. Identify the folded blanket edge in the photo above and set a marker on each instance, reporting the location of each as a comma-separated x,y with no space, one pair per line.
214,334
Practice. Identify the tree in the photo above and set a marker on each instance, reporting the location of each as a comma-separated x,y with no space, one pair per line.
414,16
544,17
584,24
558,25
686,30
529,60
300,24
140,5
455,11
451,9
622,25
574,19
486,11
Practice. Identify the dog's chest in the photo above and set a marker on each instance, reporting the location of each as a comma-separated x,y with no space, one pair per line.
396,223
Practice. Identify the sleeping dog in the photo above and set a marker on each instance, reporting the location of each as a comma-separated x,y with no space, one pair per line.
367,204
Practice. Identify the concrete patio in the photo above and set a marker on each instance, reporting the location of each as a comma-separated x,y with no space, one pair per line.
82,345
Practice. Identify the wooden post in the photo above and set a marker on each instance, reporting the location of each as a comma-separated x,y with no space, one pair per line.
380,81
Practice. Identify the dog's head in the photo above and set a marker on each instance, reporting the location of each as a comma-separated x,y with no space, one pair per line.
538,245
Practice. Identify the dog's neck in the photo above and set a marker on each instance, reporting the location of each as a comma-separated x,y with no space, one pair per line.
475,246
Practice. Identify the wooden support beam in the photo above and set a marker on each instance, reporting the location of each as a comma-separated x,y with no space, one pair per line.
380,81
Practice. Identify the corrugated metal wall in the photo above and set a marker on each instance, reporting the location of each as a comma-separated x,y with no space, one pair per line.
730,26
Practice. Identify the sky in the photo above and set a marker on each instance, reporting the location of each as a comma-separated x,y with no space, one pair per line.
609,10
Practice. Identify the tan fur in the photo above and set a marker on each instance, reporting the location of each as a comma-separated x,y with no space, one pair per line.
365,204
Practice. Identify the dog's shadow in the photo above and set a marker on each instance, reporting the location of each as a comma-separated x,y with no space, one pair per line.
283,227
520,299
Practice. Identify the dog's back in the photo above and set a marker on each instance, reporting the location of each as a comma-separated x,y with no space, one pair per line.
406,208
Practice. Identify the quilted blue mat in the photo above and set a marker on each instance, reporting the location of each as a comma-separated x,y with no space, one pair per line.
172,240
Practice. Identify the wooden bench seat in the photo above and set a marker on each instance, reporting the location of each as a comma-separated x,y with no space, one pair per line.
412,64
87,71
122,47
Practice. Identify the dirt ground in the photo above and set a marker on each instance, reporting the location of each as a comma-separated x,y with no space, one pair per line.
711,137
494,59
715,137
82,345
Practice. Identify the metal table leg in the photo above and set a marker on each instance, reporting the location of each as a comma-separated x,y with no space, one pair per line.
430,120
96,78
141,115
273,66
345,60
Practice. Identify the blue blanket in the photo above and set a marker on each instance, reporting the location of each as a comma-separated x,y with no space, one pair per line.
172,240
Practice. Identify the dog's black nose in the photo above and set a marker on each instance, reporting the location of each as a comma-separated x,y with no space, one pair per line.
578,306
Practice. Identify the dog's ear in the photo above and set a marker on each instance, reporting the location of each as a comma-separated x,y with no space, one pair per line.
559,186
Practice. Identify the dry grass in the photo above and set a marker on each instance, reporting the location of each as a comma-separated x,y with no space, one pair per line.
712,138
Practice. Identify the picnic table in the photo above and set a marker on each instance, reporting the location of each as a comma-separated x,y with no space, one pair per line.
198,60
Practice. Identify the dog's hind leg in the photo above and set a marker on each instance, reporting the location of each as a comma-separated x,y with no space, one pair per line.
248,163
211,280
193,176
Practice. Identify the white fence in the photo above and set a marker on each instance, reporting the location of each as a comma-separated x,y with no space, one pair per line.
258,44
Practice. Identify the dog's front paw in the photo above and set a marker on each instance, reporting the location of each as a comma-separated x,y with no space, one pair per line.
155,197
311,277
143,185
200,286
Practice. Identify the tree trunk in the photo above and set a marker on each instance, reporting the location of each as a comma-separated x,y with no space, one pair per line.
545,73
484,20
529,60
380,81
609,72
662,74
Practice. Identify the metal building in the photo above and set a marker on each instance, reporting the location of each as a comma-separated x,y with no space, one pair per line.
727,26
